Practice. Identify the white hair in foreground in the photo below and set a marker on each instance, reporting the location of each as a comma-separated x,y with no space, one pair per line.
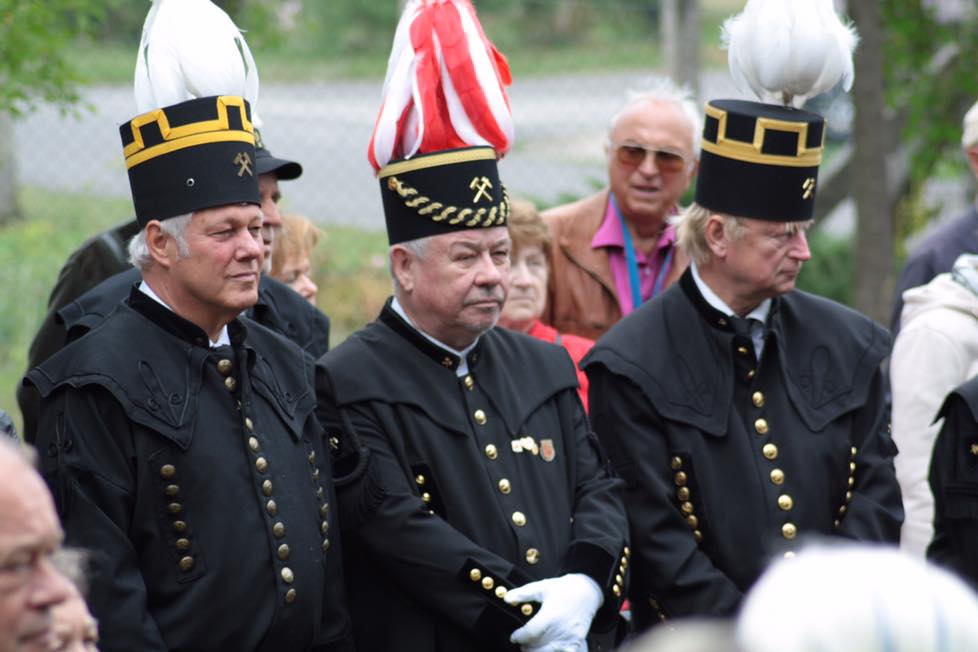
858,598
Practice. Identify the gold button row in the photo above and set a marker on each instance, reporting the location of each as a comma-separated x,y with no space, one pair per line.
488,583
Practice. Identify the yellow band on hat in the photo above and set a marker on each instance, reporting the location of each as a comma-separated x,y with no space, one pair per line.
753,152
136,152
435,160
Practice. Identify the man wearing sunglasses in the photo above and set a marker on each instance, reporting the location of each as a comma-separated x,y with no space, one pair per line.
616,249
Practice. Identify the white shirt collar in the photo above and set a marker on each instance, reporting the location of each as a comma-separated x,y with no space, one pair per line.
463,366
759,313
222,338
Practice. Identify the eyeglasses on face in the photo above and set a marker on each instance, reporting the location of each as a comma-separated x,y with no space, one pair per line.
634,155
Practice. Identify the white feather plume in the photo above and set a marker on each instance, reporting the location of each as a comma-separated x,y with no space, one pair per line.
189,49
787,51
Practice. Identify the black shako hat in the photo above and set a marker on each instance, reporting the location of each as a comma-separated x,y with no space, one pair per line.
441,192
190,156
265,162
759,160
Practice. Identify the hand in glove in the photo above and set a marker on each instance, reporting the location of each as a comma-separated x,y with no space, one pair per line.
568,605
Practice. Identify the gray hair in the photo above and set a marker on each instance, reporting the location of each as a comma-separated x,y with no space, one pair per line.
691,232
417,248
663,89
175,227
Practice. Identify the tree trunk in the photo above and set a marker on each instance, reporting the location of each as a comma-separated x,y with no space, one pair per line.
679,27
874,231
9,205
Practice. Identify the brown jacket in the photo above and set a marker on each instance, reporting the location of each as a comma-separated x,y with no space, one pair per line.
581,297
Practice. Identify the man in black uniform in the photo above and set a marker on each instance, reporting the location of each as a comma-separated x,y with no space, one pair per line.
180,439
75,306
954,483
743,414
485,517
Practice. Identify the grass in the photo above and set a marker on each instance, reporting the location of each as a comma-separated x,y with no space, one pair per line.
351,272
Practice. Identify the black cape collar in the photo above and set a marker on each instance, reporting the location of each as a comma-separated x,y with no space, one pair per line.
711,315
444,357
173,323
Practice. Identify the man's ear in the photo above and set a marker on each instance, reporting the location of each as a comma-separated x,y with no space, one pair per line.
162,248
973,159
403,266
716,236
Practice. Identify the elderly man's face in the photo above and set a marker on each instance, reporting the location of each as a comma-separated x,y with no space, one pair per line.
220,277
457,289
270,196
75,630
647,189
766,259
527,288
30,586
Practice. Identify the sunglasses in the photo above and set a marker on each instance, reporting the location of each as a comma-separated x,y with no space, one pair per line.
665,160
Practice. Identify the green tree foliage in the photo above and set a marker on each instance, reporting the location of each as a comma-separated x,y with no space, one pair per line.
35,44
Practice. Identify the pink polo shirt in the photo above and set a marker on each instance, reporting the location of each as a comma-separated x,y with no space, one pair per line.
609,236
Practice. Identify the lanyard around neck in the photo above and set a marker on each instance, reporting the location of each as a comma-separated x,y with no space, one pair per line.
631,261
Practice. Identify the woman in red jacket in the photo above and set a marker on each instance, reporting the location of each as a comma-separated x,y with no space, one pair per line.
527,296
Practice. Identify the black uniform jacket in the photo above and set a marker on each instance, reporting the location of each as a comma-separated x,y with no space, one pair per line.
198,480
474,485
954,483
729,462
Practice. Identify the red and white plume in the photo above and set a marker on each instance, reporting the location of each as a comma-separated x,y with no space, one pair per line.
787,51
444,87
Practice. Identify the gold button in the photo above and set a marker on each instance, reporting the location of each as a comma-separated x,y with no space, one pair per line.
532,556
224,366
785,502
290,596
168,471
751,374
475,575
519,519
624,562
174,508
320,492
848,496
757,399
627,551
501,592
616,590
271,507
261,464
278,530
852,482
526,609
324,527
621,569
837,523
853,451
789,531
842,511
324,509
687,508
491,451
287,575
266,487
676,463
692,521
761,426
681,479
770,451
742,350
619,579
683,493
487,583
283,551
325,545
183,545
179,527
480,417
253,444
230,383
311,457
426,497
852,467
698,536
315,474
419,480
777,476
469,383
171,490
504,486
186,563
249,424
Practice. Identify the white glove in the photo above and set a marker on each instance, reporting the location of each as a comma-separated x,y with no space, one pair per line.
567,607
